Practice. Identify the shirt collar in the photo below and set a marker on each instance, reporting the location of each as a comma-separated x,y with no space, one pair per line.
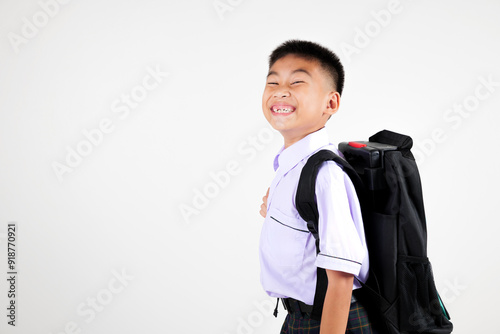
287,158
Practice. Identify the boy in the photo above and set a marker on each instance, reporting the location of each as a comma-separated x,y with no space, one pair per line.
302,91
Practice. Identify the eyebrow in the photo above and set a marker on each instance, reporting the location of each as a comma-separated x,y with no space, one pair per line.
295,71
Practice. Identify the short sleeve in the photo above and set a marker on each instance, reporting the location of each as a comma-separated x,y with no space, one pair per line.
342,239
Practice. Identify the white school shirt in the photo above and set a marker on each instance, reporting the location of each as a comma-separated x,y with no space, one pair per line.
287,249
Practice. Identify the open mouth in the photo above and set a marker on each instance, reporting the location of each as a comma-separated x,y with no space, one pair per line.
282,109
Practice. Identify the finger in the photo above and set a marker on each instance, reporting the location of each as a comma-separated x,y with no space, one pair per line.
263,210
265,197
263,213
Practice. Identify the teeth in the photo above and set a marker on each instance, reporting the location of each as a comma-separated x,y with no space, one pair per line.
282,110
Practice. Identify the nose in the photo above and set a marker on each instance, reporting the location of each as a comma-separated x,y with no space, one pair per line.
280,93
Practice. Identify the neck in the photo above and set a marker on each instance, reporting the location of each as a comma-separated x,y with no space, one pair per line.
292,139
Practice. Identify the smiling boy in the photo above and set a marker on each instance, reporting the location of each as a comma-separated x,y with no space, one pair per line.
303,88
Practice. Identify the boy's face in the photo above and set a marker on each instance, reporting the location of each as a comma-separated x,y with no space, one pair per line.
298,98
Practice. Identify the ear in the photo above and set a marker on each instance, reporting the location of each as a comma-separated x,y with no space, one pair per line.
333,103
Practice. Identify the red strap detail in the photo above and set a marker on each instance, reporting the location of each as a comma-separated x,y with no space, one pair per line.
357,145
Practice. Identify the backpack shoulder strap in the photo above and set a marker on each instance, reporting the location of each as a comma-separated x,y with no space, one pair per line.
305,201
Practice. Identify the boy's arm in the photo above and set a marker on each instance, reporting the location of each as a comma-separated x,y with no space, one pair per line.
337,302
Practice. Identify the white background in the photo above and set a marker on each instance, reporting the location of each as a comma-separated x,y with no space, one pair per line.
119,208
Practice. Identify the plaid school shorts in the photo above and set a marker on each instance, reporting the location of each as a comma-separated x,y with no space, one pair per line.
358,323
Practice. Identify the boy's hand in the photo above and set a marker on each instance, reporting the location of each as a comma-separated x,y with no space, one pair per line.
263,206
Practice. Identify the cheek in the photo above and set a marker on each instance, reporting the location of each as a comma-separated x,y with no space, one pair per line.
265,111
265,98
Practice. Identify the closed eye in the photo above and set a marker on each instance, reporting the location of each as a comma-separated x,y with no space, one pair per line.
296,82
272,83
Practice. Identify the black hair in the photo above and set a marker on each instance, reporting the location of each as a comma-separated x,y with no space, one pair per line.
312,51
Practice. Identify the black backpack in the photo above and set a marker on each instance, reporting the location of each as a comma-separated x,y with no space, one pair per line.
400,294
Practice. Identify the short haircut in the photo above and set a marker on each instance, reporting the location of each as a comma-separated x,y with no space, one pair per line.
328,60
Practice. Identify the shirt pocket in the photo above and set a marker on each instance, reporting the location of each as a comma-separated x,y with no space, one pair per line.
286,239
